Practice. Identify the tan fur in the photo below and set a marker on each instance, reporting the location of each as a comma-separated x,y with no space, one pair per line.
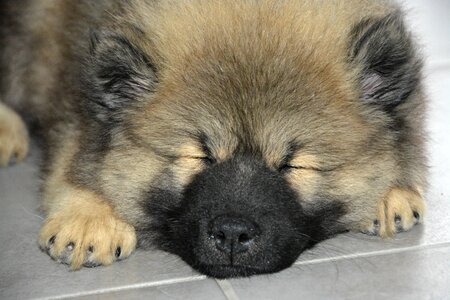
396,211
169,21
81,217
57,190
13,136
305,182
305,161
86,220
186,168
125,191
401,203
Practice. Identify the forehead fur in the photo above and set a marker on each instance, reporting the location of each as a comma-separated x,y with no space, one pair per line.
181,29
255,70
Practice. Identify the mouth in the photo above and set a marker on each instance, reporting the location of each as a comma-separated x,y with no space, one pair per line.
230,271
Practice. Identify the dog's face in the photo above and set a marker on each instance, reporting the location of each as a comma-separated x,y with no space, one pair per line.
237,161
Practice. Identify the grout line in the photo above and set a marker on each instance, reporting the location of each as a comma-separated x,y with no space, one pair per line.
227,289
372,254
128,287
226,286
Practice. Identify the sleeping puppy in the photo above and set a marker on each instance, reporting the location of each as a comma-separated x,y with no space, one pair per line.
235,134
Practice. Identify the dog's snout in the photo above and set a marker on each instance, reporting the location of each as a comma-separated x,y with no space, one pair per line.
233,235
240,215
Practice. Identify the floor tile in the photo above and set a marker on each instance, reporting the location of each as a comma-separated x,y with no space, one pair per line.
409,275
198,290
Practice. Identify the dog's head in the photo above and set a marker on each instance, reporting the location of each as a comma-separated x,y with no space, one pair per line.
245,146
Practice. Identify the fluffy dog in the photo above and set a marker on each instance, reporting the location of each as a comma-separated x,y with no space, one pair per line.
235,134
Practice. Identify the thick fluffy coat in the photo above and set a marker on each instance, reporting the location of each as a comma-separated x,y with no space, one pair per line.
235,134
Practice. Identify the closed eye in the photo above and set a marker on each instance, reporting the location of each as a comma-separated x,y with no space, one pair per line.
287,167
205,159
208,158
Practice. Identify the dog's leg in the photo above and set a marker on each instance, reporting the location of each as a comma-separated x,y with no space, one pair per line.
82,228
13,136
399,210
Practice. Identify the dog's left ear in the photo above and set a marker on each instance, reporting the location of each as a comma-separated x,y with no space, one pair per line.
117,73
384,53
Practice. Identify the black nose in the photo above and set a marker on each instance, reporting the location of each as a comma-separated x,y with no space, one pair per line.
233,235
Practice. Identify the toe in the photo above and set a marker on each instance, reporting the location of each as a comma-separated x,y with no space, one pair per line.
5,154
86,240
399,211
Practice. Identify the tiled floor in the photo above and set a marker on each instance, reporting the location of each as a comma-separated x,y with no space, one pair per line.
415,265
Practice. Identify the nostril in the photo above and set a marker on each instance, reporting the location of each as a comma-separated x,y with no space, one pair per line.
232,234
222,241
244,238
220,235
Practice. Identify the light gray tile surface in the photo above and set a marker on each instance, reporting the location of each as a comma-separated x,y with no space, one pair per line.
353,266
408,275
198,290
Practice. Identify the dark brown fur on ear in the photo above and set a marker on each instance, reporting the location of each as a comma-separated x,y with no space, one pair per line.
116,73
390,69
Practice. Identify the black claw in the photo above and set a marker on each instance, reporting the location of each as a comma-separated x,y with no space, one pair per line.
70,246
91,249
376,222
91,264
416,215
64,258
51,241
118,252
397,219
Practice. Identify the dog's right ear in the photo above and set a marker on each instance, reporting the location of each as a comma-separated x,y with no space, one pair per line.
389,67
116,75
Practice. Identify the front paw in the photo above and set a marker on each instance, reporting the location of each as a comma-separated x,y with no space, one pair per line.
398,211
13,136
89,236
